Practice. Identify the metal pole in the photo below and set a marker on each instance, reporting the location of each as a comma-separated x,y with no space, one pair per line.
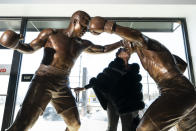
148,88
84,93
188,51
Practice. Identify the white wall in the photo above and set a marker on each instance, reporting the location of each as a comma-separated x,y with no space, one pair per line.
112,10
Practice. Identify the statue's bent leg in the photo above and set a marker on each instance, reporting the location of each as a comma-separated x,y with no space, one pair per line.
188,123
33,105
26,117
166,111
72,119
65,105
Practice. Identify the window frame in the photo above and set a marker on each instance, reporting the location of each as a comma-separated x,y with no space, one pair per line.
17,57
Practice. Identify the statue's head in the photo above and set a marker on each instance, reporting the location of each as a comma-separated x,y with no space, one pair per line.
79,22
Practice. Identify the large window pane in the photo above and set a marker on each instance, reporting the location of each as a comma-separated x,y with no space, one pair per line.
5,63
94,116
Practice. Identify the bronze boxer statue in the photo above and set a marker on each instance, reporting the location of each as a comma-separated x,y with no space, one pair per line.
177,95
50,82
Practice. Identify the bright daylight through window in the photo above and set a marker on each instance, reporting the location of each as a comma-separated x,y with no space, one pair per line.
92,114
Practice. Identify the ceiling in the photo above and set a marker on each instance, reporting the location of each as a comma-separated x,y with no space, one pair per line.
97,1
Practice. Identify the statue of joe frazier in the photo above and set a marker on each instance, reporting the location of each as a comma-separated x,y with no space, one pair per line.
177,101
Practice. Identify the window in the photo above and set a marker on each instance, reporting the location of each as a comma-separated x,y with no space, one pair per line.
169,32
6,56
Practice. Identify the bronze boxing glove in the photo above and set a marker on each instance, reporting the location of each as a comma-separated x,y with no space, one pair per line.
10,39
98,25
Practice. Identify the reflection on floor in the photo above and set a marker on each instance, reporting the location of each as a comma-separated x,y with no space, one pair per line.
87,125
95,123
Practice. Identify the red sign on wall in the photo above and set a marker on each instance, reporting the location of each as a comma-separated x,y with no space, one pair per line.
5,69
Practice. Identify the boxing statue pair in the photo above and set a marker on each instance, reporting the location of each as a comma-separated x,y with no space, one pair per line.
177,100
61,49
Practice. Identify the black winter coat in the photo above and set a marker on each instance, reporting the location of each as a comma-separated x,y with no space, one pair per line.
119,86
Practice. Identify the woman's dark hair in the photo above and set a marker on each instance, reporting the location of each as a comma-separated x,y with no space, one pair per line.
120,50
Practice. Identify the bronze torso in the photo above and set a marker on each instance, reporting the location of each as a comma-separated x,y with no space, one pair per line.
61,51
157,60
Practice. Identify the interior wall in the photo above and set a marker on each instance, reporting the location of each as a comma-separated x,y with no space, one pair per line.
110,10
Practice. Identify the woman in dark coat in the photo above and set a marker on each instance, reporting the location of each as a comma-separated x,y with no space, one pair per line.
118,89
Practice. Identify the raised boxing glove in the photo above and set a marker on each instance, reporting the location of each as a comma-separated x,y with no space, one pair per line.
98,25
10,39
